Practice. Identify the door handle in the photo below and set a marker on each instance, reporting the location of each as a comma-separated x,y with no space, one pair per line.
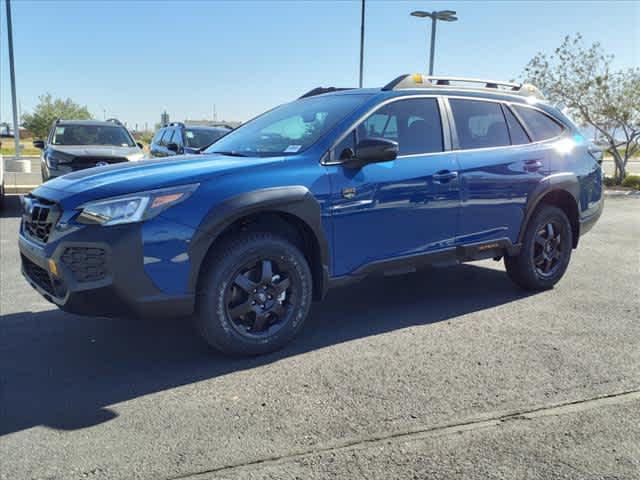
532,165
444,176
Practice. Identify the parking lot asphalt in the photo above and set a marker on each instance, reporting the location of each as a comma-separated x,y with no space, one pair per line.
446,373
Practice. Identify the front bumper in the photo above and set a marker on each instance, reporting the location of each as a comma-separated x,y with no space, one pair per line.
99,273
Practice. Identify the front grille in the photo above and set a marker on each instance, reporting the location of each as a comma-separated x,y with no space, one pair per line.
39,218
88,264
80,163
41,278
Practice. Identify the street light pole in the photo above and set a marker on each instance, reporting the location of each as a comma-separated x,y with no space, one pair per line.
445,16
434,22
361,43
12,74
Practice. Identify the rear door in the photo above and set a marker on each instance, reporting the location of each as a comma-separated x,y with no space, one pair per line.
401,208
499,167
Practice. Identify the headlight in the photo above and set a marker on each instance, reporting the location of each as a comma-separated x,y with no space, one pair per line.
54,158
136,157
136,207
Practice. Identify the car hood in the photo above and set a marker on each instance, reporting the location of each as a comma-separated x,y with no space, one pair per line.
124,178
96,150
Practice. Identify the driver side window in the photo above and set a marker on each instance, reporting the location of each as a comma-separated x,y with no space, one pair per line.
414,123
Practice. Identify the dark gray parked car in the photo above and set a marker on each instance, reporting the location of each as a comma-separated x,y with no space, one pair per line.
78,144
178,139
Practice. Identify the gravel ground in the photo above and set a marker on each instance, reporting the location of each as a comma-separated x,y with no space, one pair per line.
447,373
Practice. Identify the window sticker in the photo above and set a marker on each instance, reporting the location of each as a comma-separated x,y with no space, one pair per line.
189,134
59,130
292,148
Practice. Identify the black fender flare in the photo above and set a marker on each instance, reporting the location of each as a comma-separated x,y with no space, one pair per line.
567,182
294,200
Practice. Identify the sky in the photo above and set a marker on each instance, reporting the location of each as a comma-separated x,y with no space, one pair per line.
133,59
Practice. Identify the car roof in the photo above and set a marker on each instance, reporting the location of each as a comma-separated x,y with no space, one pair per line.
449,92
207,127
96,123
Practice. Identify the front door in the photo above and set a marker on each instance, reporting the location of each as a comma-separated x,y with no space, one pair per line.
405,207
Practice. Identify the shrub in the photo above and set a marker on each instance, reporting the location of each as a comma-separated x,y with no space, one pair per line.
609,181
632,181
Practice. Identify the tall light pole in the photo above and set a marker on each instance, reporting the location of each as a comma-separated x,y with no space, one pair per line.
445,16
361,42
12,74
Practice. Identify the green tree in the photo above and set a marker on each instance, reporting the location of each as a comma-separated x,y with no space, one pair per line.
48,110
581,78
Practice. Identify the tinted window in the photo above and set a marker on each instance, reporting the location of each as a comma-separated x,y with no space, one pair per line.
540,125
518,135
91,135
201,137
166,137
177,137
414,124
157,136
479,124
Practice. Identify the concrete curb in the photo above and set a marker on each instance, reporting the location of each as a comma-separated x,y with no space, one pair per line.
622,193
19,189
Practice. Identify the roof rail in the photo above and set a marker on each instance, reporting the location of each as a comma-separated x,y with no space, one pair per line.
114,120
417,80
320,90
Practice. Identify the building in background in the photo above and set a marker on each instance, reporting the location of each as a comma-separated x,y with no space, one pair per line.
164,118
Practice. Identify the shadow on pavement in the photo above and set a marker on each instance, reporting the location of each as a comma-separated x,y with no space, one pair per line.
62,370
11,207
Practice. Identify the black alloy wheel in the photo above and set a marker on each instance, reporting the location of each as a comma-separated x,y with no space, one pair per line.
547,248
257,299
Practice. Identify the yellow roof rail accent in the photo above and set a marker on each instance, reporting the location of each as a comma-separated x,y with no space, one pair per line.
418,80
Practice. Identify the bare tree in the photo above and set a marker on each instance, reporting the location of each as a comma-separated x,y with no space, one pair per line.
581,78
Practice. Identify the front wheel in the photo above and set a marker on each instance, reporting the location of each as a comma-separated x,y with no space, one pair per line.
545,252
254,294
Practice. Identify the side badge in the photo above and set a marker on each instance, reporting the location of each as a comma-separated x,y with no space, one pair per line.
348,192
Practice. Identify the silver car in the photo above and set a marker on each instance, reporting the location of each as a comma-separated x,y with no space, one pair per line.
79,144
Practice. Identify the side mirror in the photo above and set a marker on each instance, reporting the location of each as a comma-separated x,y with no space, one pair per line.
373,150
39,144
173,147
140,145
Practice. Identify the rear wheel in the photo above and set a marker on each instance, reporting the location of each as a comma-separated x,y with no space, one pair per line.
545,252
254,295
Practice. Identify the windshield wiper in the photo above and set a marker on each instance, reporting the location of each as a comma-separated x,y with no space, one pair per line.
232,154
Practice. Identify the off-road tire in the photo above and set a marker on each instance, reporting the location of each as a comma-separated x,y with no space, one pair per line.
213,314
523,269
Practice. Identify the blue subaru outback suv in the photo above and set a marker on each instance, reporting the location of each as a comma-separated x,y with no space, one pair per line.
337,185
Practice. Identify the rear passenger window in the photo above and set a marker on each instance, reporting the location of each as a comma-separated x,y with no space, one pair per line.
518,135
166,138
413,123
541,126
479,124
157,137
177,137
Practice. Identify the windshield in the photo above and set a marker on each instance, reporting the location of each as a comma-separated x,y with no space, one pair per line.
92,135
288,129
201,137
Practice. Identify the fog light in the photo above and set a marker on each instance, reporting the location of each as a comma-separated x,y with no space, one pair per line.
53,268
